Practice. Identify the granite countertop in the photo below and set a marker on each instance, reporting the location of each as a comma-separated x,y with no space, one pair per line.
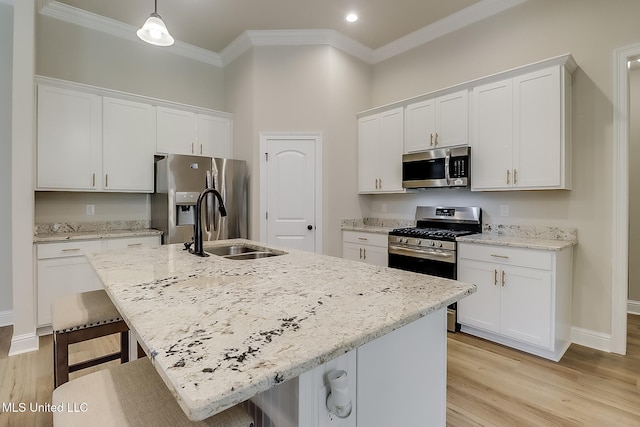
63,231
375,225
219,331
524,236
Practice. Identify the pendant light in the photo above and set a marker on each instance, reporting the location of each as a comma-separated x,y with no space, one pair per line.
154,31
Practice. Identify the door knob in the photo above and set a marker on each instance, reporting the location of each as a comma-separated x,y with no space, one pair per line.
309,227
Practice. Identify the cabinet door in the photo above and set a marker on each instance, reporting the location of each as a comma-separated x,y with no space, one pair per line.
368,153
391,148
421,126
452,119
214,136
352,251
128,145
176,131
492,141
526,301
537,129
376,255
68,139
481,309
58,277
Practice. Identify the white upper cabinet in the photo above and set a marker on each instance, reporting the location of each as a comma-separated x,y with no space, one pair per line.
520,132
380,146
128,145
214,136
185,132
177,131
69,139
438,122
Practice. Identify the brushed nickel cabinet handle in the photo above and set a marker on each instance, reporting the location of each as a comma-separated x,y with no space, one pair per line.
360,253
431,139
504,281
499,256
192,148
515,176
93,180
436,142
508,176
132,245
71,250
365,253
200,148
495,277
362,238
106,180
380,183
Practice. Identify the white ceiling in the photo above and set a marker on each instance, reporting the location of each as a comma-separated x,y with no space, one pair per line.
214,24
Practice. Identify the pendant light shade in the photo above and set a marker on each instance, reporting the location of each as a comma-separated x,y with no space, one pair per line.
154,31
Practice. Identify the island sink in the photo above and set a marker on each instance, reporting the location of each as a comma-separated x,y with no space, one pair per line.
241,251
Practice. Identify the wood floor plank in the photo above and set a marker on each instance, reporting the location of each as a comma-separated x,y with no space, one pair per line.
488,384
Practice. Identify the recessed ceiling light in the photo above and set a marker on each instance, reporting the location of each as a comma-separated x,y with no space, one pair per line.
352,17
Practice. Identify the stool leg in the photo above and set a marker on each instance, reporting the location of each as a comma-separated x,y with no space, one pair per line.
124,347
61,359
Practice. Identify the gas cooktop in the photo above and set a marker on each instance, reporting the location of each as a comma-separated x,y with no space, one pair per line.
430,233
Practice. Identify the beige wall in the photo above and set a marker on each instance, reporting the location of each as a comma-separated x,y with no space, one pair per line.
71,207
634,188
302,89
6,66
588,29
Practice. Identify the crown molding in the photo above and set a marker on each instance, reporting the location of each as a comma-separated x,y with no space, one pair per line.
115,28
451,23
251,38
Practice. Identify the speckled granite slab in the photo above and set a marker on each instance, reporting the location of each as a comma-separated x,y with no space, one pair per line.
532,237
220,331
376,225
53,232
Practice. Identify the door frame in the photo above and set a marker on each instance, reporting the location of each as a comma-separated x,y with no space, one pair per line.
620,214
316,137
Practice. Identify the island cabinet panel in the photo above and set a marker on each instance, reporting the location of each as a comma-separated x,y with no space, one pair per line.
521,132
371,248
523,297
380,147
69,139
438,122
62,269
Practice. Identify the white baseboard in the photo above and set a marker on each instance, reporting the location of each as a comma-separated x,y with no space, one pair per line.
24,343
591,339
6,318
633,307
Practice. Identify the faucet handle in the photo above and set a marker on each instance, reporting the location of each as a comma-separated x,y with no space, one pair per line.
187,246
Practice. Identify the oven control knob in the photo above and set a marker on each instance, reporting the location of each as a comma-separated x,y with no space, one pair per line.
418,242
433,244
439,245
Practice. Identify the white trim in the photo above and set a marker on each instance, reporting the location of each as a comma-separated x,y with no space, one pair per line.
591,339
317,138
248,39
620,202
24,343
633,307
451,23
6,318
115,28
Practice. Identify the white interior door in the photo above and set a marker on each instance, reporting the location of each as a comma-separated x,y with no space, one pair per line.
291,193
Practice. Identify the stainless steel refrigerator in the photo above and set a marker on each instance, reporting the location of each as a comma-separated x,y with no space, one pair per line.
178,182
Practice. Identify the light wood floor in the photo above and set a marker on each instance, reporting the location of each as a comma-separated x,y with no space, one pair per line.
488,385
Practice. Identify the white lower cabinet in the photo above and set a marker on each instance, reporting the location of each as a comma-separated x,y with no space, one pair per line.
523,297
366,247
62,269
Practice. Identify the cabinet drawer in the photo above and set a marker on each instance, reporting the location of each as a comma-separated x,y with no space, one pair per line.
67,249
522,257
132,242
363,238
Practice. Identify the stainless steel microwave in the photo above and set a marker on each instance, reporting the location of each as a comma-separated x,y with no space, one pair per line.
441,167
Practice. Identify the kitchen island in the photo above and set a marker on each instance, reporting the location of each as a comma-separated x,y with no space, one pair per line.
220,331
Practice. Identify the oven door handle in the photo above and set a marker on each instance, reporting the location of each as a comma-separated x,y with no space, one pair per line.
424,254
447,172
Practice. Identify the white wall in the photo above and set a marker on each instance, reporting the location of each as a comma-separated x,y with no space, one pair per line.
71,207
302,89
6,65
634,188
532,31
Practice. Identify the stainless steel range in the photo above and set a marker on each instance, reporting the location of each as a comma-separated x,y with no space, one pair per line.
430,246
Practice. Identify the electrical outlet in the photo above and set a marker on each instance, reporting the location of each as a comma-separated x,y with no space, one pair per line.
91,209
504,210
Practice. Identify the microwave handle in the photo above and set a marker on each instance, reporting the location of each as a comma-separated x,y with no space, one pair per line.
447,160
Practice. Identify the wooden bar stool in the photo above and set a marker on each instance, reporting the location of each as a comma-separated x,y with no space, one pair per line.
82,317
134,395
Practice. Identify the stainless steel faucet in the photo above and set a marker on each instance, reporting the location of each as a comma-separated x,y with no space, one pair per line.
197,227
